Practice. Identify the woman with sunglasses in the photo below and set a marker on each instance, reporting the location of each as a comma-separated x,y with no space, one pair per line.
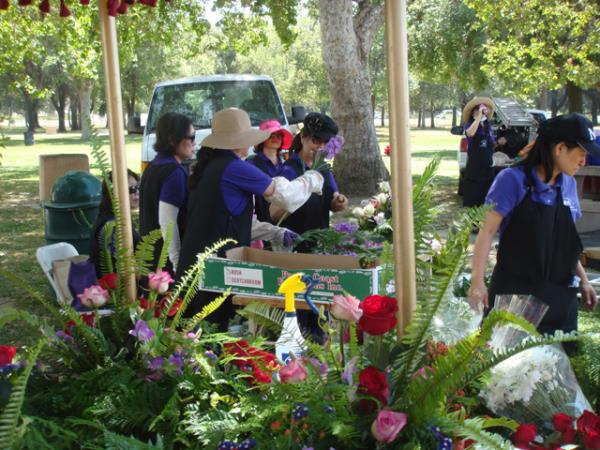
317,130
269,160
163,191
103,236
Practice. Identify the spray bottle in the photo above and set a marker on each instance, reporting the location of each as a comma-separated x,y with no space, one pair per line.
291,341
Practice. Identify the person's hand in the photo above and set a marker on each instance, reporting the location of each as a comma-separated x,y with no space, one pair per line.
289,237
589,299
339,202
478,114
478,296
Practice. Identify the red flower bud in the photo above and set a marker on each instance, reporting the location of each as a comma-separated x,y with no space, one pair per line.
122,9
562,422
108,281
25,2
44,6
84,2
7,353
111,7
524,435
4,4
591,440
64,12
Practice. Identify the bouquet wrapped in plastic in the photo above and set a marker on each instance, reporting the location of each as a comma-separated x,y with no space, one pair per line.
535,384
454,321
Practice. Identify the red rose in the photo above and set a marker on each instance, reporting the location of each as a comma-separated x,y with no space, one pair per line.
379,314
7,353
108,281
372,382
568,437
144,303
463,444
562,422
588,422
524,435
174,306
89,319
591,440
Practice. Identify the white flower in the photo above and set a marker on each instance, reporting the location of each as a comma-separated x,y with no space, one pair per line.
384,186
382,198
380,219
369,210
358,212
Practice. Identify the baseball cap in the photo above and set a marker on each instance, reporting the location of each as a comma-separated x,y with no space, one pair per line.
572,127
321,126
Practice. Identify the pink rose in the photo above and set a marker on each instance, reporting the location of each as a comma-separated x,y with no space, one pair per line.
93,296
159,281
292,373
346,307
387,425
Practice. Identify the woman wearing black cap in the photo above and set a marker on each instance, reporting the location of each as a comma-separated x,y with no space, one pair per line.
317,130
535,207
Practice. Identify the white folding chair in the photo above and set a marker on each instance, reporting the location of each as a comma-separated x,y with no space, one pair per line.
53,252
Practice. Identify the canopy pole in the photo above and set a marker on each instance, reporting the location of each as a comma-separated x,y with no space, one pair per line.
401,183
112,76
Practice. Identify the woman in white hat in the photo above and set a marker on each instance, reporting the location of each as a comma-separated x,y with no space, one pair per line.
221,187
479,173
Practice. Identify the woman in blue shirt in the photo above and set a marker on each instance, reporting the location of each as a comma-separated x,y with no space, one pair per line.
479,172
317,130
535,207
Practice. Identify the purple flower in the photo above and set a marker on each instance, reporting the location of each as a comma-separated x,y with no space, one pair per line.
155,363
142,331
177,360
154,376
210,355
66,336
349,370
345,227
333,147
322,368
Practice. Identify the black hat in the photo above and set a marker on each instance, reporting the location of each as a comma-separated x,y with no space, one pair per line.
320,126
571,128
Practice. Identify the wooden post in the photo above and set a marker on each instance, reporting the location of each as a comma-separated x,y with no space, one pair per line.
401,183
112,75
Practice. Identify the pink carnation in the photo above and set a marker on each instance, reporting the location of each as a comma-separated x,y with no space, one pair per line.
292,373
93,296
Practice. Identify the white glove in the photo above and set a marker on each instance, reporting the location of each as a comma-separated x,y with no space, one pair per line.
167,214
266,231
291,195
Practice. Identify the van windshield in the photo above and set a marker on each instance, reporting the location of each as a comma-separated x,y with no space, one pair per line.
201,100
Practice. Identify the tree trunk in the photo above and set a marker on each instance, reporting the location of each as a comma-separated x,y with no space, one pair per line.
31,111
454,116
575,97
345,46
59,101
382,116
542,100
595,104
74,108
85,99
431,116
419,117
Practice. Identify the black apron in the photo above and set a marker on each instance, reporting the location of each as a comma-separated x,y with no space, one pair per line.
479,173
538,255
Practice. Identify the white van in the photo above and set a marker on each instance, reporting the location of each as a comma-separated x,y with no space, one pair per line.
200,97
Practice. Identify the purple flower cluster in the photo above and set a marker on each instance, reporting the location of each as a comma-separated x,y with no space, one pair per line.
333,147
346,227
142,331
244,445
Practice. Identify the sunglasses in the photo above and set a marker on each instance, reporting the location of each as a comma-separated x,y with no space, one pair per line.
192,138
134,189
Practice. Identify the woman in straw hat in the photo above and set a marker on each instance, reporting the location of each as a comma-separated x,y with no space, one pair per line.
535,206
479,173
221,186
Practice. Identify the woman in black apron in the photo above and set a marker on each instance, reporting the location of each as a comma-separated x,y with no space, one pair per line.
534,208
479,172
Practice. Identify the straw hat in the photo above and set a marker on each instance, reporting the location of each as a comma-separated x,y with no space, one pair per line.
231,129
476,102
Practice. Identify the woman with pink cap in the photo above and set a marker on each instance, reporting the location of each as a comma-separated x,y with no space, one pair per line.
269,160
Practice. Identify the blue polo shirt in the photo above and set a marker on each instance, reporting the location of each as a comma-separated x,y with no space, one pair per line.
480,131
289,173
509,189
174,189
240,178
273,170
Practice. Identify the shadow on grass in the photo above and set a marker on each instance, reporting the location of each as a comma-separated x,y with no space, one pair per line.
444,154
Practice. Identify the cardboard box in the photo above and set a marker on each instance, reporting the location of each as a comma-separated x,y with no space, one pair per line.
259,273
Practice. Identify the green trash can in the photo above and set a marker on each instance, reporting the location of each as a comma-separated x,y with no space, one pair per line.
73,209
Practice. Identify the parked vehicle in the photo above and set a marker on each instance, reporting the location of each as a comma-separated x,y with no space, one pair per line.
510,120
200,97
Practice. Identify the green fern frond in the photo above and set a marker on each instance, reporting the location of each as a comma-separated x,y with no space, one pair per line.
36,295
207,310
10,416
475,429
264,315
190,281
144,252
164,251
211,427
114,441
